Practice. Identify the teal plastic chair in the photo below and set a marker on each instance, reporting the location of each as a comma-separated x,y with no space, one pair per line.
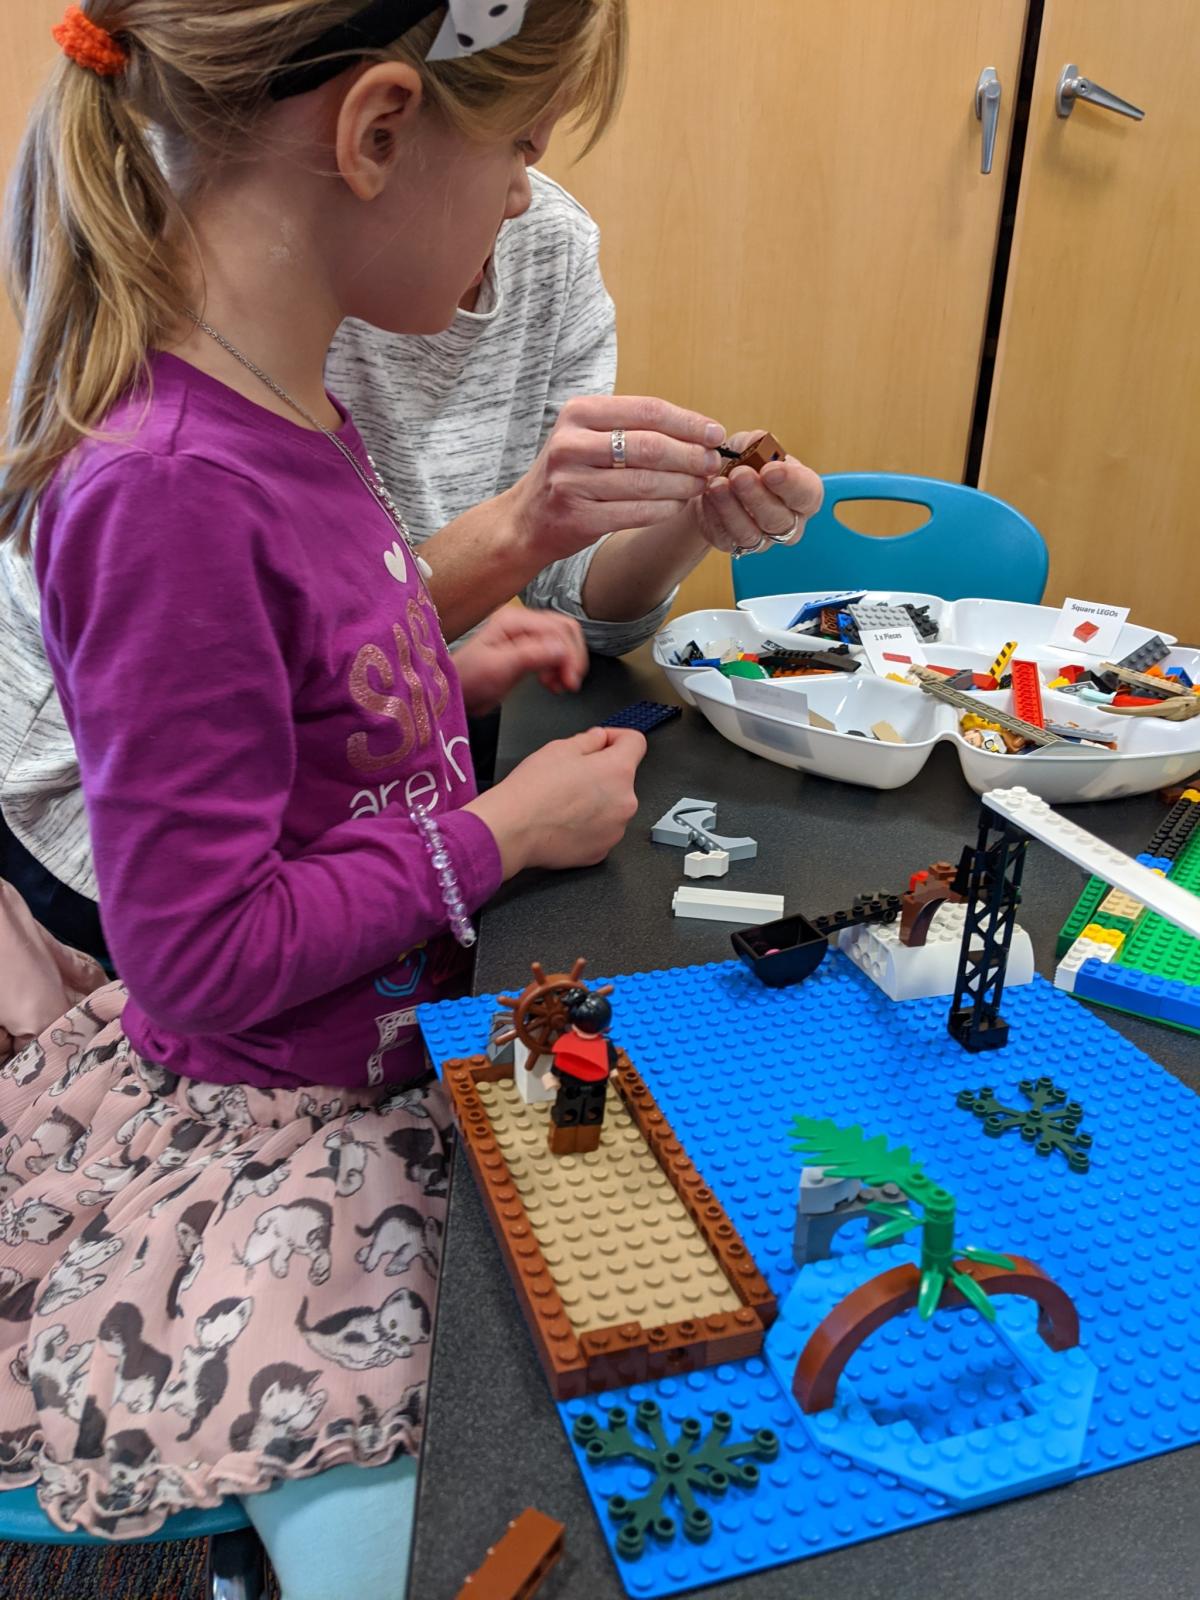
973,544
237,1563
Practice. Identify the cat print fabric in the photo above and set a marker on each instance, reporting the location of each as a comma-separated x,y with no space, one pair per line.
205,1287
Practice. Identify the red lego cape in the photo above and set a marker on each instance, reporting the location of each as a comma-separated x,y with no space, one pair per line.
585,1059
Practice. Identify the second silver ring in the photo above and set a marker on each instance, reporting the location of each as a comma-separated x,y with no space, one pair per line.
618,447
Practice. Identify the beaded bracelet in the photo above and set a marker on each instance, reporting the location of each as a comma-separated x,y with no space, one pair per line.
456,907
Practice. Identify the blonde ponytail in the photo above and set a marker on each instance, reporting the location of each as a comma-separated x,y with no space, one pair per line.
88,274
95,265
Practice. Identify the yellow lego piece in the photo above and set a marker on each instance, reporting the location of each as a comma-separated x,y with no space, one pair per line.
1112,936
1190,794
1000,665
973,720
896,678
1059,683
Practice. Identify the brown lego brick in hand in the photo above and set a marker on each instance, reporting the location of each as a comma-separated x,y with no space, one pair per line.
765,448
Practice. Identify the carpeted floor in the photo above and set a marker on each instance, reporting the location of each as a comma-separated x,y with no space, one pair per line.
144,1572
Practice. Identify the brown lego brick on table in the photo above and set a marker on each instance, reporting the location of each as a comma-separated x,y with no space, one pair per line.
517,1563
632,1270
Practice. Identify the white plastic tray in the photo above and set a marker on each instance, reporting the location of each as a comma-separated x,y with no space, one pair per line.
1152,753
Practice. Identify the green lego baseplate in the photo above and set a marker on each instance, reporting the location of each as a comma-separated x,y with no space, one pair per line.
1151,945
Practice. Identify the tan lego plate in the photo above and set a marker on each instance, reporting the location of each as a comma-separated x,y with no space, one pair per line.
625,1264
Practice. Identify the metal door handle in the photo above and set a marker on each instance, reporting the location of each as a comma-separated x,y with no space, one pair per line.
1072,87
987,109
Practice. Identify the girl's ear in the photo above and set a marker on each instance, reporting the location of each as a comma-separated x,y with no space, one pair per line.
378,110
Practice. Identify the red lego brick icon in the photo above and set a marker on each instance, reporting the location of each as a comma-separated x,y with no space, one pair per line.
1086,631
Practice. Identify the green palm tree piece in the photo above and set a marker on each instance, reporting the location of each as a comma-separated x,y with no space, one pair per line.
974,1294
848,1153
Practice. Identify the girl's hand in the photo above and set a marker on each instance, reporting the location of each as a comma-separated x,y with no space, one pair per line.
734,513
568,804
513,643
573,493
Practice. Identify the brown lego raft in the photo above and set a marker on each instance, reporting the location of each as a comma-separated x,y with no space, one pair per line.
624,1261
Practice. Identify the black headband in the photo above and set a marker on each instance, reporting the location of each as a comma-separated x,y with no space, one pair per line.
376,26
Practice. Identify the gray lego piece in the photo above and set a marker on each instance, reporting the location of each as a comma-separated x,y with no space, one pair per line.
501,1054
689,823
815,1231
875,616
820,1194
1145,656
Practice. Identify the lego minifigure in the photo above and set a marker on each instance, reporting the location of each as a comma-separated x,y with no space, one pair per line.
584,1060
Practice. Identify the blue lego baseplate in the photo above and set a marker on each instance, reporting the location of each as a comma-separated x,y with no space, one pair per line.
730,1062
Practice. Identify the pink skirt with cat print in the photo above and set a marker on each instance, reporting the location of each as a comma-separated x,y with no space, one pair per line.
205,1288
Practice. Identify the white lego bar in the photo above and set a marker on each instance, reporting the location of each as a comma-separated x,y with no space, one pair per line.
726,905
920,972
1031,814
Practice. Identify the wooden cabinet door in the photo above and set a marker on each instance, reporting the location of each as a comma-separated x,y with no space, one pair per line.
29,53
795,228
1094,427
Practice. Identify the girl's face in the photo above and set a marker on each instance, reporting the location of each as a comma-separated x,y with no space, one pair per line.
424,239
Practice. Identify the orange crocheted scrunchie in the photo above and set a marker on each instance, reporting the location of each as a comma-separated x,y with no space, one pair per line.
89,45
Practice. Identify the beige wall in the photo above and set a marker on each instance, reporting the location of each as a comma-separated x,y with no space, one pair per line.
28,53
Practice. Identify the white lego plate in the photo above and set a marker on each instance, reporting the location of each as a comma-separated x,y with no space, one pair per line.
1151,753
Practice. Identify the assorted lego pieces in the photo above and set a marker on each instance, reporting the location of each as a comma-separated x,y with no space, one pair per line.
913,1433
1118,951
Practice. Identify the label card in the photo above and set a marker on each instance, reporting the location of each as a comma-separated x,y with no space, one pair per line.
1089,629
879,643
760,694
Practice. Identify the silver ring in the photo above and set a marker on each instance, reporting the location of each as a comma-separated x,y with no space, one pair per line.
618,447
740,550
782,538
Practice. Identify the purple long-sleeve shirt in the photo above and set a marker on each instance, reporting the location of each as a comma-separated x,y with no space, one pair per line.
257,684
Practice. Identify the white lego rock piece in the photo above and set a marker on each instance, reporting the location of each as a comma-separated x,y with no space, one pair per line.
1082,950
529,1083
726,905
1031,814
706,863
907,973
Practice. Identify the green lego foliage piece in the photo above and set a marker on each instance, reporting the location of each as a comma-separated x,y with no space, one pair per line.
742,669
690,1465
848,1153
1049,1123
1084,912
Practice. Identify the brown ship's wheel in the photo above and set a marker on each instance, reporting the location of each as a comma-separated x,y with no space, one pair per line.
539,1012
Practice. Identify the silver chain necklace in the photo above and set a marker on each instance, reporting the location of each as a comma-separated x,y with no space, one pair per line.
374,483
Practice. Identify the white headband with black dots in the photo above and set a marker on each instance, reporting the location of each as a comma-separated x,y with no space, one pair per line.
473,25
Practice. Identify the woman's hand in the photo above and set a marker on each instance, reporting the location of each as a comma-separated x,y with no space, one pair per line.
513,643
568,804
573,493
734,513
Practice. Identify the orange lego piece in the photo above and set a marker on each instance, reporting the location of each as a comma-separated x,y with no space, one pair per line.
764,449
517,1563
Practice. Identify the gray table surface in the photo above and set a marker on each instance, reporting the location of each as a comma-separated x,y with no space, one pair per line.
494,1443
